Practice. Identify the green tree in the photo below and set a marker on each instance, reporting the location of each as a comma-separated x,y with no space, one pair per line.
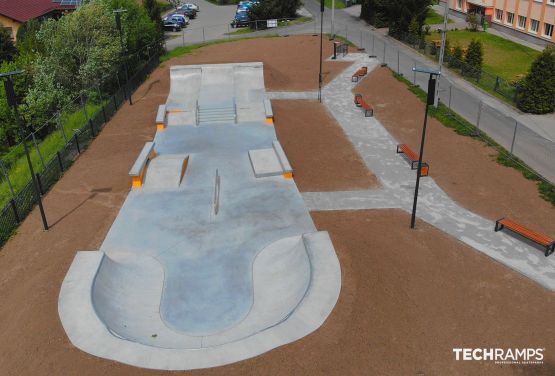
537,94
7,48
154,12
473,21
457,56
396,14
474,58
80,49
274,9
414,28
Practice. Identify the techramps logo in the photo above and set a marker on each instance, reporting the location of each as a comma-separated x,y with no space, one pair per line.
500,356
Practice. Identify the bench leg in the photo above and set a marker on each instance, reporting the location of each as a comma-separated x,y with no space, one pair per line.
367,113
413,165
498,226
549,249
398,150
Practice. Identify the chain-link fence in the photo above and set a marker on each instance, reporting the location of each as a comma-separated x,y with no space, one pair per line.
519,140
19,199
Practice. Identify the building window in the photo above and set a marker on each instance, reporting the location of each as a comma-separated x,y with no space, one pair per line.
459,4
534,26
547,30
521,22
499,14
510,18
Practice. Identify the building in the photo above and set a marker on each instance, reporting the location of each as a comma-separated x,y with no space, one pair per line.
529,19
13,13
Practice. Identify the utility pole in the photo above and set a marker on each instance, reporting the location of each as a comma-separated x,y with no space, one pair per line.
12,102
321,48
429,101
118,13
332,35
442,49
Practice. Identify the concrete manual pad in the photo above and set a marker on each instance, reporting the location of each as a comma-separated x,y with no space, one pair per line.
265,162
178,285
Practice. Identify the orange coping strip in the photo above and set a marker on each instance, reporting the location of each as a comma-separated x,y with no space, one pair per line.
270,120
160,126
288,175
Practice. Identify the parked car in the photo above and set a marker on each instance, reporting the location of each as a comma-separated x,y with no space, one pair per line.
241,19
191,13
190,6
172,26
182,19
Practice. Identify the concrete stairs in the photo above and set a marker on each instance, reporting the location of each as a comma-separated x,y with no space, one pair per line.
211,115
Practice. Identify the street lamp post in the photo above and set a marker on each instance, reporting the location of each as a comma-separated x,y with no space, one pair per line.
332,36
442,49
118,13
429,102
321,48
12,102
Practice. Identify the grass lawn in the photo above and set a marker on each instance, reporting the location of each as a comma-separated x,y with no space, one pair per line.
339,4
19,170
502,57
434,18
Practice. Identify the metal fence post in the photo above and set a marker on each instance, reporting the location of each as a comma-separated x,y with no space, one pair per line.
514,137
384,47
7,176
228,32
15,212
450,95
398,63
41,190
61,126
373,42
361,45
77,143
38,149
479,114
414,72
182,37
203,35
59,157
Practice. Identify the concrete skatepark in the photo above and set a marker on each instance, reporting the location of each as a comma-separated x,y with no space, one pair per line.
213,257
375,146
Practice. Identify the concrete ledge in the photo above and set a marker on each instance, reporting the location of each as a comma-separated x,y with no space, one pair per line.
161,117
137,172
269,112
285,165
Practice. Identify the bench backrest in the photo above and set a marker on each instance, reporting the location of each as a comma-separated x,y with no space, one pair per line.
143,157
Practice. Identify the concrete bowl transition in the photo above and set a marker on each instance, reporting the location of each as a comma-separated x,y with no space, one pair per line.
213,257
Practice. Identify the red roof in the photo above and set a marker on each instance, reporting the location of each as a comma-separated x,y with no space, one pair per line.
23,10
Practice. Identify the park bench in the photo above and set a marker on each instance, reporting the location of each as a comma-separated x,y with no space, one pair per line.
269,112
413,159
161,117
359,73
138,170
534,236
360,102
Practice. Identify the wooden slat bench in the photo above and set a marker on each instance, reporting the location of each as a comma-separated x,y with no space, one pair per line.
360,102
534,236
413,159
359,73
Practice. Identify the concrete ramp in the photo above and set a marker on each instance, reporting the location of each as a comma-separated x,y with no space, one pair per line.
165,172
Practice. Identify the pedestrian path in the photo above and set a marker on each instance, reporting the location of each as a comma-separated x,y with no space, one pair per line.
377,148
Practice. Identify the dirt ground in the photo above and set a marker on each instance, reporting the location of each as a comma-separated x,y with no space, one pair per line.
290,63
310,137
407,297
462,166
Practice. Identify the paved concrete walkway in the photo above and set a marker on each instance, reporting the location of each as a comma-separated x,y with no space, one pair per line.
378,150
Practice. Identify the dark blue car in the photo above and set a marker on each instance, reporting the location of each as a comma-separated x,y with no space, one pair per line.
240,19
